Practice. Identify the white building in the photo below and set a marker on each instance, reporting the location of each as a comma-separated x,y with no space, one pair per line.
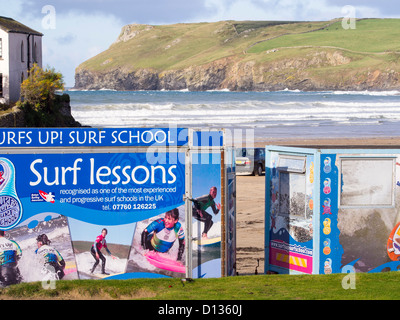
20,47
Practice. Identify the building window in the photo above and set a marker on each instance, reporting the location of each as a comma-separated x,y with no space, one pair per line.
35,53
292,194
22,77
360,186
1,85
22,51
292,186
1,48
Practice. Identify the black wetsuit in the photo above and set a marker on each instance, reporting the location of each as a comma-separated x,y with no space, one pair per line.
96,248
200,205
10,253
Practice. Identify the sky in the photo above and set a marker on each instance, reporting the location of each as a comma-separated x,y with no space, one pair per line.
77,30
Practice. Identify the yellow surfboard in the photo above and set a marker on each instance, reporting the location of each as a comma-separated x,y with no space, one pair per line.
208,242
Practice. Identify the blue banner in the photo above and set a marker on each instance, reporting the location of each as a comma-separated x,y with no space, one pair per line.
92,137
94,203
330,245
99,188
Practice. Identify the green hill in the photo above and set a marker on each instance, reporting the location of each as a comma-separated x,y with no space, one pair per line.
249,55
370,36
182,45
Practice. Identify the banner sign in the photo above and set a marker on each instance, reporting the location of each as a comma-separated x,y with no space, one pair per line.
98,188
107,137
92,137
291,212
74,207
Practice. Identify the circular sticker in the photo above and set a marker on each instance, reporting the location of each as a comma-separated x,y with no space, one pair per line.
326,230
327,165
10,212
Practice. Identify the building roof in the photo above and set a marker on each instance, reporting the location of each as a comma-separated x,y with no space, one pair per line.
12,26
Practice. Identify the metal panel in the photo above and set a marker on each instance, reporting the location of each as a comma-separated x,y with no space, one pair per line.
361,186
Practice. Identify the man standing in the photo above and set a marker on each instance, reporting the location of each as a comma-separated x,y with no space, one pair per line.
100,243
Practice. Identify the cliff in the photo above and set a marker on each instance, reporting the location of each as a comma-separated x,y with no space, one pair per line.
246,56
12,118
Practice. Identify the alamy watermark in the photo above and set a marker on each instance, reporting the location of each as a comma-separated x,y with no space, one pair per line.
49,20
50,277
349,280
349,17
204,145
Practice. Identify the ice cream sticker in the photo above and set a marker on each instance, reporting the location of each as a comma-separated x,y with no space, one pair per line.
327,165
327,186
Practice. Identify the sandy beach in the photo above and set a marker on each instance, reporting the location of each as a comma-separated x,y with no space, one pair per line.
250,224
251,194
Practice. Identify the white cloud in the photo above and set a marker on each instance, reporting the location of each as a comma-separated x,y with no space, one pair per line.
294,10
11,8
77,36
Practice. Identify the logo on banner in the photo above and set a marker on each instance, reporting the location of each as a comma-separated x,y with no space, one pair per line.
10,206
42,197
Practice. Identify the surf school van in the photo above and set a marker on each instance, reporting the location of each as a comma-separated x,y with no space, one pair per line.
332,210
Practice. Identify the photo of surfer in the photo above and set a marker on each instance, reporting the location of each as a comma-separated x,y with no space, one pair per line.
161,234
201,204
50,259
159,245
45,244
10,254
93,252
206,215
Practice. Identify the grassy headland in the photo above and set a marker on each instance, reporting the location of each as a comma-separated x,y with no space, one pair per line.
369,36
182,45
252,55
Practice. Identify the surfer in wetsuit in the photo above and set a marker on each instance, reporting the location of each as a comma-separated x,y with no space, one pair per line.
161,234
51,258
98,244
201,204
10,253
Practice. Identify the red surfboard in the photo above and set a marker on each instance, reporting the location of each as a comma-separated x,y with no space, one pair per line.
165,263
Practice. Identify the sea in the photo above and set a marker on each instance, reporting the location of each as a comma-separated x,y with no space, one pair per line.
278,114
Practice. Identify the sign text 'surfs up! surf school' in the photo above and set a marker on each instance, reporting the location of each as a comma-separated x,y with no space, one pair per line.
332,210
116,203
